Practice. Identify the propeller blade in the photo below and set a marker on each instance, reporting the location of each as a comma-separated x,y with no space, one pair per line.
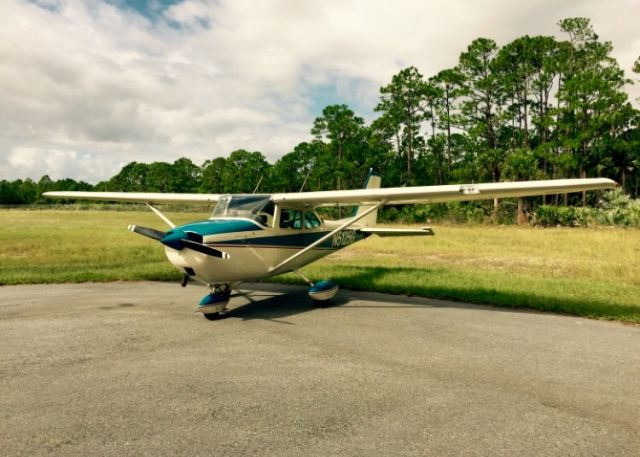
149,232
193,236
204,249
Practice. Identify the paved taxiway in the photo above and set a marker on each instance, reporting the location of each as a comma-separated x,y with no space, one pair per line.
129,369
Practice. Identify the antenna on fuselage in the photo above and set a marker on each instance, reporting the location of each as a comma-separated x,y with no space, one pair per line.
257,185
305,181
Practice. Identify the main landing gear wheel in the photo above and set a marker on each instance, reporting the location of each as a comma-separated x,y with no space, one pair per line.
323,291
213,305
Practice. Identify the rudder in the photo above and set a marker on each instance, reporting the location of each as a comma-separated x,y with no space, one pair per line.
373,182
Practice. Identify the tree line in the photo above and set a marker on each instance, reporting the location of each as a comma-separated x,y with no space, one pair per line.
538,107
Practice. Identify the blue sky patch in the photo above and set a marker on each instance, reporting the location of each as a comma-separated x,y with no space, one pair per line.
47,5
353,92
148,8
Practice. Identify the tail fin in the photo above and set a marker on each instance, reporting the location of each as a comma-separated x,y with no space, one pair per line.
373,182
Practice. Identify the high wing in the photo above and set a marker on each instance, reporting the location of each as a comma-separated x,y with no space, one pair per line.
141,197
389,195
435,194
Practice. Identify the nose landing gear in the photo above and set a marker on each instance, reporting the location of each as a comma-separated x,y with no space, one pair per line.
213,305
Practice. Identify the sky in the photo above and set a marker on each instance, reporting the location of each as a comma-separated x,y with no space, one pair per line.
87,86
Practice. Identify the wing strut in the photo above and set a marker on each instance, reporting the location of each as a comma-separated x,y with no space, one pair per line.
161,216
326,237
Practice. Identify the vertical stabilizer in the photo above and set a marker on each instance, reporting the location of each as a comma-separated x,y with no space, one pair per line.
373,182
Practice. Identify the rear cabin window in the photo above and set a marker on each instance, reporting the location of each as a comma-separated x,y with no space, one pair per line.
296,219
291,218
311,221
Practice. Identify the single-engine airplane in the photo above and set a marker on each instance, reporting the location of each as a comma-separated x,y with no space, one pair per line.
253,236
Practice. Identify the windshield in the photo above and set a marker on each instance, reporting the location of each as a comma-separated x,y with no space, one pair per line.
256,207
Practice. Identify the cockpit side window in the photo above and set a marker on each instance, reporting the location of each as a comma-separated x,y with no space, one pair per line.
265,215
269,208
260,208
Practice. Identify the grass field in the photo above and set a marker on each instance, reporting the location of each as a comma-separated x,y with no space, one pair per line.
592,272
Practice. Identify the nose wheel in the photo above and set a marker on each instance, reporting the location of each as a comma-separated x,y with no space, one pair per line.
213,305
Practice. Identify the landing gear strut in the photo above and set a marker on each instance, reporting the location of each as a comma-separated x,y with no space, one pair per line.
214,304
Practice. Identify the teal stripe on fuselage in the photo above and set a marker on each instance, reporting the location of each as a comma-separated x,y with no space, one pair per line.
219,226
297,241
284,240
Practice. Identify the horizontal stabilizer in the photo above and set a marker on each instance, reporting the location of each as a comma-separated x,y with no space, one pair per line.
424,231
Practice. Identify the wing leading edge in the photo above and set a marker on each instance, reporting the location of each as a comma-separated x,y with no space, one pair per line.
139,197
436,194
389,195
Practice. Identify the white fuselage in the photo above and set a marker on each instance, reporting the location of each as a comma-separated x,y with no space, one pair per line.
253,253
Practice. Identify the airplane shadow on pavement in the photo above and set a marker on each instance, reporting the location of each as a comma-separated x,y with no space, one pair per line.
274,301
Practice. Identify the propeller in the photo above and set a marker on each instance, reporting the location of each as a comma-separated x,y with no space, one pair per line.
148,232
179,239
204,249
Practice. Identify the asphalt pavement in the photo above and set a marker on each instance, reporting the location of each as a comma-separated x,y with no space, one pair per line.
129,369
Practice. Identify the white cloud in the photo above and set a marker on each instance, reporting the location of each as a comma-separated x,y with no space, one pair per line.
86,87
26,160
